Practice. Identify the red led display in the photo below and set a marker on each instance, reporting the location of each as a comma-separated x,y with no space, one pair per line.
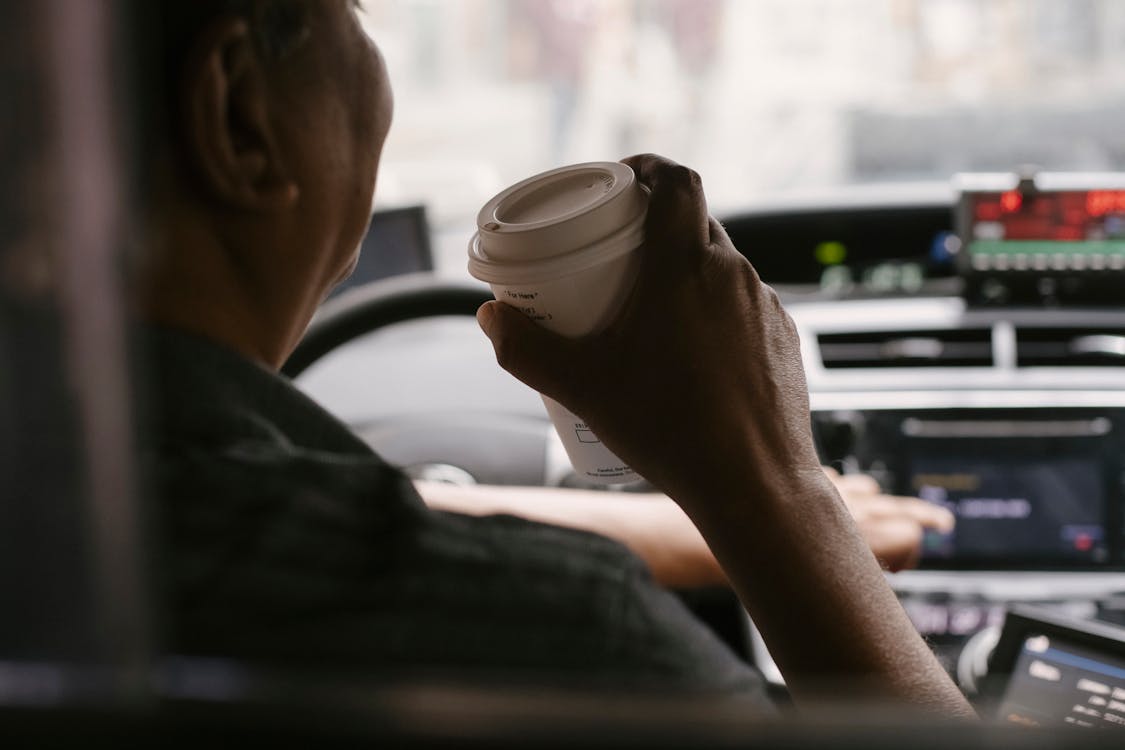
987,211
1071,216
1102,202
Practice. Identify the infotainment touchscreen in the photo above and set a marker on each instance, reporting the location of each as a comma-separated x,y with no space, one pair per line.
1043,509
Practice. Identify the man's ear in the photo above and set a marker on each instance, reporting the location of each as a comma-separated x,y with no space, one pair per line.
228,121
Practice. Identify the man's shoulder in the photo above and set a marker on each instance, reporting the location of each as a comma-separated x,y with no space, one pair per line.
288,538
597,598
199,392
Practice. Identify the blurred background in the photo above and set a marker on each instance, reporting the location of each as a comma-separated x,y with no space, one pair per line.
767,99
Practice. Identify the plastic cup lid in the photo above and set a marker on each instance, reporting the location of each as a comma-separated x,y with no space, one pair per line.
484,267
560,211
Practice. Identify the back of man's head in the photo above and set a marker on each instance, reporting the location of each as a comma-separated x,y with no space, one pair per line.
167,31
261,126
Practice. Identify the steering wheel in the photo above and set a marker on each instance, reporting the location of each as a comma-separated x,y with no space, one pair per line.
491,442
381,303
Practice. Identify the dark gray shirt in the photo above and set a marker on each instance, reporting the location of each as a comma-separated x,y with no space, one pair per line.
287,539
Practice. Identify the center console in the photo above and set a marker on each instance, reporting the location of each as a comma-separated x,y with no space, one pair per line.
1001,397
1034,488
1038,494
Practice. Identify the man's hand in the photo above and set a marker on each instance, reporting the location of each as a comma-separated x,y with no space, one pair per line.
698,385
701,371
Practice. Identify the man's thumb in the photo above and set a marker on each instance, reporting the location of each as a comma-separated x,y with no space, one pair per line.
542,359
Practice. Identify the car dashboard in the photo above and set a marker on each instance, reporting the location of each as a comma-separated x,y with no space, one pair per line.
1005,418
990,384
995,392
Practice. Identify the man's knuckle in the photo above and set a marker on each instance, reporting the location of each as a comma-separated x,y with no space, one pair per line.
914,534
865,483
694,180
684,178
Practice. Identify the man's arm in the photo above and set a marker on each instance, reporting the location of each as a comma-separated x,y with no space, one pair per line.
699,386
651,525
892,526
661,534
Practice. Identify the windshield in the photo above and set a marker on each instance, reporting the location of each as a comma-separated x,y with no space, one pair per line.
763,98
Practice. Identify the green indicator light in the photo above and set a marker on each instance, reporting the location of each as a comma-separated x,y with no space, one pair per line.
1044,247
831,253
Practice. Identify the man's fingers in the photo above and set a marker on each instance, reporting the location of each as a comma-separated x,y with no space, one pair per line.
540,358
856,485
896,544
911,509
677,211
930,516
717,233
863,494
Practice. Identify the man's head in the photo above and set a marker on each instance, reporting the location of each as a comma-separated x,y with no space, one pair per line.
271,119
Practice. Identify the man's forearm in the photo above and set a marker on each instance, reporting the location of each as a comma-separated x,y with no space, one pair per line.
815,591
698,385
649,524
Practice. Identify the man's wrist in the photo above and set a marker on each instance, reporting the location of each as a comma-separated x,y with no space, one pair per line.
748,485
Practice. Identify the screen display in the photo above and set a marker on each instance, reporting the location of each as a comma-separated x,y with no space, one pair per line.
397,242
1056,683
1049,510
1073,230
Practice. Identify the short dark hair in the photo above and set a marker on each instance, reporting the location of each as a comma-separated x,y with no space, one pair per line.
277,25
163,32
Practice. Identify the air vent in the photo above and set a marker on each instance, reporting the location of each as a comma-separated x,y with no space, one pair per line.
1070,347
933,348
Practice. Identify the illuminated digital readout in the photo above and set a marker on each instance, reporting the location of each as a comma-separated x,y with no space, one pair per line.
1067,230
1058,683
1035,508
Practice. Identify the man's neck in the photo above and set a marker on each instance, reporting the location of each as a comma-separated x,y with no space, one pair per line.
223,289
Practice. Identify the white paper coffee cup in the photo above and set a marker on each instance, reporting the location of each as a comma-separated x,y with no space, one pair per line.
561,248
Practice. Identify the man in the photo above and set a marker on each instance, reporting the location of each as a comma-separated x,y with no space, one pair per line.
290,541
